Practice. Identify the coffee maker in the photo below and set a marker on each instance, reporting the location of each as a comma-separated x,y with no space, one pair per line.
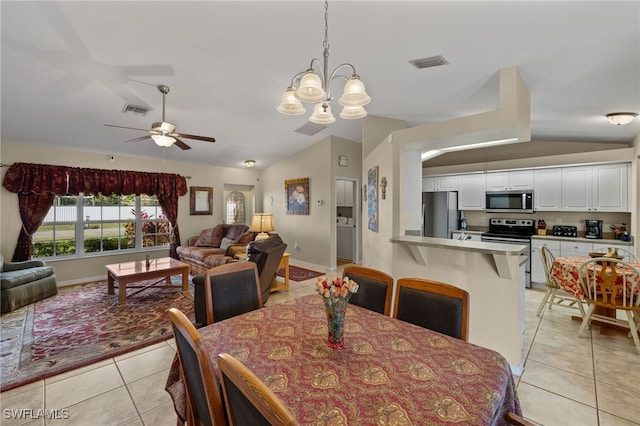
594,229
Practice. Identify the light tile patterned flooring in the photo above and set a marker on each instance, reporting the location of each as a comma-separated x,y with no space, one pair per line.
593,380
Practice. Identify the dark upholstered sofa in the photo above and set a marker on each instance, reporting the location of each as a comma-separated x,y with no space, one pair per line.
23,283
215,246
266,254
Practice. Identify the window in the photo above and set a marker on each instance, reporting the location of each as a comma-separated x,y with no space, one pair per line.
84,225
235,208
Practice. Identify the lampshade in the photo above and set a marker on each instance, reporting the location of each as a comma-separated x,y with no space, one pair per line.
620,118
163,140
354,93
322,114
290,104
262,223
310,89
353,112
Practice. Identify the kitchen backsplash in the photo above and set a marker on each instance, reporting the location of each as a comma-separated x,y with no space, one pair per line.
474,219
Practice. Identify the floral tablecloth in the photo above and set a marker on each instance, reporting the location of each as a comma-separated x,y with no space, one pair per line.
389,372
565,271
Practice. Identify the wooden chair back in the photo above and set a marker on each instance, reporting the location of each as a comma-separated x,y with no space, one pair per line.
375,288
248,400
610,283
231,289
547,258
204,405
434,305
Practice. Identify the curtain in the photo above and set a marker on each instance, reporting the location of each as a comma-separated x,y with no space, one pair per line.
38,184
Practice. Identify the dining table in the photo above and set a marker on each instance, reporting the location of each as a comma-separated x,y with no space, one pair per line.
389,372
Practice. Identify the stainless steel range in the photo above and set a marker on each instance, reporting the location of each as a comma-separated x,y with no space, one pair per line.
513,231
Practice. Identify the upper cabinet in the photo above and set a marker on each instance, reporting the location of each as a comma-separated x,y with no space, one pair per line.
547,192
344,193
602,188
440,183
471,189
510,180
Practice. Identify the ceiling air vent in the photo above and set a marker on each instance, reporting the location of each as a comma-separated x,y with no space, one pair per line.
310,129
135,109
432,61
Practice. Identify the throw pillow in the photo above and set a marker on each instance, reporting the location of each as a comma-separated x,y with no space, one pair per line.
211,237
226,242
236,230
245,238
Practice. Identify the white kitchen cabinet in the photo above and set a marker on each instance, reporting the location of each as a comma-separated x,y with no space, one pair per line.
344,193
440,183
610,187
575,248
471,189
547,189
509,180
537,267
602,188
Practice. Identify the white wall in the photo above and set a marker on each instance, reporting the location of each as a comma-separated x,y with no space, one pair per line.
70,271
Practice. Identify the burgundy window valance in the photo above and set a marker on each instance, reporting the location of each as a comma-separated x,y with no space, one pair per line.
62,180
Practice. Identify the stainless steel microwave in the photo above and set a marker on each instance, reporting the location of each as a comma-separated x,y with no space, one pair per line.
509,201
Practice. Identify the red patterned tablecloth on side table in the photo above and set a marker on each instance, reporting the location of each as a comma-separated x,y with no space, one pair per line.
389,373
565,271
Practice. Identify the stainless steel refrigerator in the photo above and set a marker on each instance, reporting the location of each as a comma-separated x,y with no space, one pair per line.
440,215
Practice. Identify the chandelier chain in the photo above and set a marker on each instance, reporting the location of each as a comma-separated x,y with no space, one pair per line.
325,44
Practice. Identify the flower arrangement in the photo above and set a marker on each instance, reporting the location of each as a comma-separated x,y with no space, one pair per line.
336,293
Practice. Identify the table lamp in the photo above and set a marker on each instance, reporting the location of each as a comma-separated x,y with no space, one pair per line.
262,223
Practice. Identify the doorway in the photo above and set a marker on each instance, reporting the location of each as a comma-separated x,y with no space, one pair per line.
347,214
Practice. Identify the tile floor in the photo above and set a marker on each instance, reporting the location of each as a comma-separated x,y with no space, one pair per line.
593,380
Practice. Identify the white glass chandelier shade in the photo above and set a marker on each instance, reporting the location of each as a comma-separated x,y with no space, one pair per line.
621,118
354,93
163,140
353,112
322,114
290,104
310,89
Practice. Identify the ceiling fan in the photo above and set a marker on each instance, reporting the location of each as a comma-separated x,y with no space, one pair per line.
163,133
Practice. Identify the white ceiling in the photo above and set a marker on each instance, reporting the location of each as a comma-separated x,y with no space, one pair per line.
68,68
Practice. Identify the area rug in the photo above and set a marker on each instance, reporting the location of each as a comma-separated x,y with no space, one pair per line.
82,325
298,274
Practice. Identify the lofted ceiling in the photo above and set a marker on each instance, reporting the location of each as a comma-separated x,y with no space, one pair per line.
68,68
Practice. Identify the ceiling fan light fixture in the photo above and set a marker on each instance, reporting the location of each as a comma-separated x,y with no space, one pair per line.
163,126
621,118
163,140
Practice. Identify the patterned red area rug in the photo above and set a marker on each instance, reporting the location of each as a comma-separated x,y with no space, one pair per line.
298,274
81,325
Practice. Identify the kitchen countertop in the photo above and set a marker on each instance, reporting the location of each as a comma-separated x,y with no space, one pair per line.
583,240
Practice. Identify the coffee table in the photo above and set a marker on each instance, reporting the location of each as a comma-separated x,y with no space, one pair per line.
131,272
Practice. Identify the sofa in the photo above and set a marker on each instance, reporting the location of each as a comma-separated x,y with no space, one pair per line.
22,283
215,246
266,254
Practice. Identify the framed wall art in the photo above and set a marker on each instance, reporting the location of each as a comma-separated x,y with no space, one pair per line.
201,200
372,199
297,193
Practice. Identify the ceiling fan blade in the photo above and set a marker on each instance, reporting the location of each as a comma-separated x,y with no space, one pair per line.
124,127
141,138
199,138
181,144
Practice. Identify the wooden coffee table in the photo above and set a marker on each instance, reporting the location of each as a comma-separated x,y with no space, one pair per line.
131,272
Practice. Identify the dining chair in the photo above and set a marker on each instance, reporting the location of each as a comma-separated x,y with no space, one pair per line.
627,253
434,305
374,288
248,400
555,295
516,420
204,404
611,285
231,289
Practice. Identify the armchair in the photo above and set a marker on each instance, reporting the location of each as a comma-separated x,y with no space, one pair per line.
26,282
266,254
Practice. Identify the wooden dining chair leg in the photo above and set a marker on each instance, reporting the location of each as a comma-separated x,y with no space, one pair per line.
633,329
586,320
545,301
580,307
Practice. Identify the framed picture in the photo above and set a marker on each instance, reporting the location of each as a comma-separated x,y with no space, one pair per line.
372,199
297,193
201,200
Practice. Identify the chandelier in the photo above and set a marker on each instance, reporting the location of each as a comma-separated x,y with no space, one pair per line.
314,86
